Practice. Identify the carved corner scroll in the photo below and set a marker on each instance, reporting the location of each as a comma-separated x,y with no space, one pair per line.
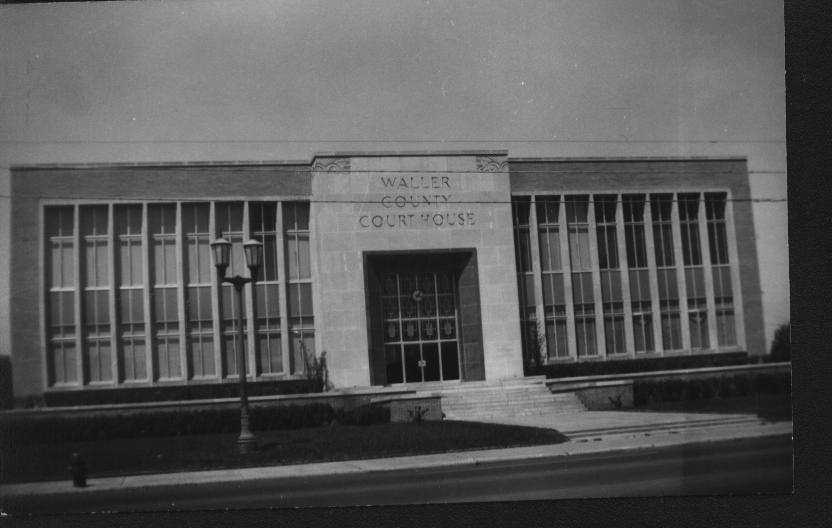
489,164
331,165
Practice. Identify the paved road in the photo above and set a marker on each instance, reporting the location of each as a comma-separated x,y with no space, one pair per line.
737,466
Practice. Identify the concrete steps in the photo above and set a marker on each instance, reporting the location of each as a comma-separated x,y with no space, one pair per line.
517,397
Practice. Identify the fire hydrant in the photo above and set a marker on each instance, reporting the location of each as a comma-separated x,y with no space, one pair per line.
78,470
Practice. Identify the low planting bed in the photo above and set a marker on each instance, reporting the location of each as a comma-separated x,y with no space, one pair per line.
652,391
169,393
91,426
627,366
29,461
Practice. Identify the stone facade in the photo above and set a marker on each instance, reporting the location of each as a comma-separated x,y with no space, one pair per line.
366,204
411,203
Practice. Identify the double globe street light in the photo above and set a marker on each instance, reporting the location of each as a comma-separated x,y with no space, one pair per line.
253,250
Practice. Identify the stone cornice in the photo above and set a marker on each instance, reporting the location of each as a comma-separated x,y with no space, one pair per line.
491,164
331,165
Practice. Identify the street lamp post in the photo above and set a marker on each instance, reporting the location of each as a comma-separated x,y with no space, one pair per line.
254,256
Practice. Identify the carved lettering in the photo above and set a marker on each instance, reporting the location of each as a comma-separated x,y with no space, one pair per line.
423,195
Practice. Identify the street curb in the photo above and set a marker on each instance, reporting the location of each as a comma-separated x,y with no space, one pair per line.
682,424
619,443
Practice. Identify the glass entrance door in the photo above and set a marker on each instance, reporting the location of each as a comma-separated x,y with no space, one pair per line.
420,326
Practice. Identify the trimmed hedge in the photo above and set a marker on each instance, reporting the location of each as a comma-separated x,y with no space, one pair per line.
648,391
77,428
175,392
626,366
6,398
781,348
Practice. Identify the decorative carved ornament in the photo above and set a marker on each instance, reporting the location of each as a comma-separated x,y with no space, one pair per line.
331,165
489,164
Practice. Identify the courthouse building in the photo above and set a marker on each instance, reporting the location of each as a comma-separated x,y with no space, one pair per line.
404,268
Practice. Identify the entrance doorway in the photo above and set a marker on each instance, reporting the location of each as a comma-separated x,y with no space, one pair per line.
423,316
420,326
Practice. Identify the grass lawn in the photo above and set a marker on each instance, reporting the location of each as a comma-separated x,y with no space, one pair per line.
126,456
771,407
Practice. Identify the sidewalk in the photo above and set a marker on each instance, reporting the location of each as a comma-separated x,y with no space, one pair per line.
589,433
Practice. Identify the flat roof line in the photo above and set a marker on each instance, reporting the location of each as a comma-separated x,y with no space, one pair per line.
160,164
405,153
307,164
628,158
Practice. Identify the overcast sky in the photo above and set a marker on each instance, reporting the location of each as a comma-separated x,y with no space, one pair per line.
620,70
179,81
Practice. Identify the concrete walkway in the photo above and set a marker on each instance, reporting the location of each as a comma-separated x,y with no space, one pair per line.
588,432
580,424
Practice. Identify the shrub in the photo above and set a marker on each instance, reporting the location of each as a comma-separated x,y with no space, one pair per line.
781,344
729,386
175,392
625,366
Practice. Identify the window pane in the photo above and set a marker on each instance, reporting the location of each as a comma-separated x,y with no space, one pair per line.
668,289
303,257
266,301
229,217
576,209
722,282
521,208
639,285
131,309
611,286
58,221
128,219
93,220
695,282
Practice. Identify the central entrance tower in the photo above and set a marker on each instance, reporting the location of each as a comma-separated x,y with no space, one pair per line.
432,232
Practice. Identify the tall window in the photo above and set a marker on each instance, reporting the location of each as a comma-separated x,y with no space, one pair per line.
128,286
694,272
164,280
229,217
577,208
299,287
263,226
132,348
197,239
525,277
95,269
661,206
637,264
720,268
62,356
554,297
613,302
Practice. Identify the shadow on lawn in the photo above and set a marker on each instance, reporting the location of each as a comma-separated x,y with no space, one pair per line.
20,462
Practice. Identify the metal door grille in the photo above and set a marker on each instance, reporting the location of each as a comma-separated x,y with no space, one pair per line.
421,338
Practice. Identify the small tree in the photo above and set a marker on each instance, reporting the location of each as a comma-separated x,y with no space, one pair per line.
535,340
781,344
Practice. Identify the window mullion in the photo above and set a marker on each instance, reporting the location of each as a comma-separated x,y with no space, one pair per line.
248,304
184,367
566,265
675,228
624,270
707,272
600,341
282,288
149,340
115,342
655,307
534,245
216,289
733,262
79,326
